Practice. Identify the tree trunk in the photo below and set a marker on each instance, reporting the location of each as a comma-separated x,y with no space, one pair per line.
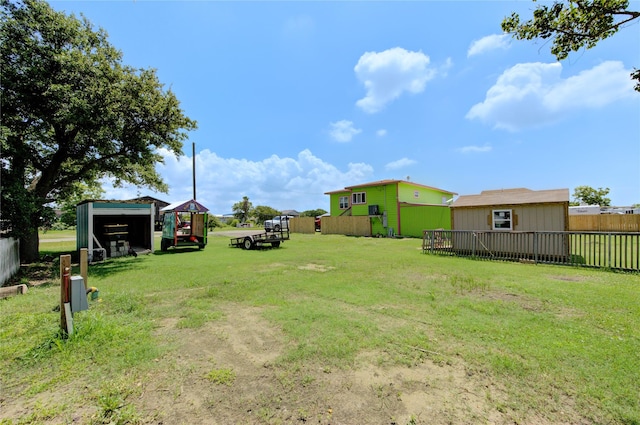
29,242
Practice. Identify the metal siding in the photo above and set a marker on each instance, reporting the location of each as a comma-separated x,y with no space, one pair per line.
82,226
90,214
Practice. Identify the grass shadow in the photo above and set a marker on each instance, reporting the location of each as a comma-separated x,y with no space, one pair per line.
176,251
114,266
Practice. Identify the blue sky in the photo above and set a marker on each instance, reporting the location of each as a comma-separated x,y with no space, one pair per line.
294,99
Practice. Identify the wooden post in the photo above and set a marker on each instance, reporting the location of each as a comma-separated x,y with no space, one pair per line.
84,265
65,277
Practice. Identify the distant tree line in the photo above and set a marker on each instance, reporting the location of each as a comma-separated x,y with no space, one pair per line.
244,211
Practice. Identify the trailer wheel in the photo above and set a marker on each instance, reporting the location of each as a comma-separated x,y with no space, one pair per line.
275,244
247,243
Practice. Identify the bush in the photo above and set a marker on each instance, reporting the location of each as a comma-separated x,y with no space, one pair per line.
213,222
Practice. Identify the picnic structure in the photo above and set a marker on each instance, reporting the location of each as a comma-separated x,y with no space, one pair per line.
184,224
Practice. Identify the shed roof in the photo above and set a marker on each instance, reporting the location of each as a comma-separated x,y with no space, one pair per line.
160,202
133,202
517,196
186,206
387,182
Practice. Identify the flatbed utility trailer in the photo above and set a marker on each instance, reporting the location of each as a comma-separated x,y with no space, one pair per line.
258,240
185,224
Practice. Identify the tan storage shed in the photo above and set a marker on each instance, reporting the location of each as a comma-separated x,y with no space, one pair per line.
500,217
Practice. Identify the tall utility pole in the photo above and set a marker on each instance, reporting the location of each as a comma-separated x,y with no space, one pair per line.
193,150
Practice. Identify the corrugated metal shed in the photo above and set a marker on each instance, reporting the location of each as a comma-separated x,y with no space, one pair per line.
95,217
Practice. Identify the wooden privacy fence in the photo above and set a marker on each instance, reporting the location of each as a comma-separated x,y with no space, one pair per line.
605,223
347,225
611,250
302,225
9,258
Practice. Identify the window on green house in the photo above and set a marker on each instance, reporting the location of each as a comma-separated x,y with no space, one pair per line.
358,198
344,202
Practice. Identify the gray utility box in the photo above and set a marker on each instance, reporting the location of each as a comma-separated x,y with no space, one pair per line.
78,294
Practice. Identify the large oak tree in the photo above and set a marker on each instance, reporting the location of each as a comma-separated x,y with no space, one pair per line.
73,112
573,25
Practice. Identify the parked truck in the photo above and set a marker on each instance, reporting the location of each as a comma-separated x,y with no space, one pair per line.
277,223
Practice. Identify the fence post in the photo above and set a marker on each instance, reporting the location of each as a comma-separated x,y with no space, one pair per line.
65,275
535,247
84,265
474,238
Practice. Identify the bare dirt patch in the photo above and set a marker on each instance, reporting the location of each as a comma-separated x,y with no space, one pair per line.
263,391
569,278
316,267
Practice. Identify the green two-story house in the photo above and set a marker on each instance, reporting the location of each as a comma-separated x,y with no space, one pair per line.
395,207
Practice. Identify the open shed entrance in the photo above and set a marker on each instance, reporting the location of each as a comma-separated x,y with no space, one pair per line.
126,231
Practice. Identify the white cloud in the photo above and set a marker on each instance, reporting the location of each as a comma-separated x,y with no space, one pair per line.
488,43
381,133
343,131
474,149
401,163
534,94
387,75
282,183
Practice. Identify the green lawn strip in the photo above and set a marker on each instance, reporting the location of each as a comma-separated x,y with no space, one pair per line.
548,334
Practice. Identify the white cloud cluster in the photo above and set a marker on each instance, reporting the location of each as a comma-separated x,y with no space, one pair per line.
282,183
400,163
343,131
474,149
534,94
488,43
387,75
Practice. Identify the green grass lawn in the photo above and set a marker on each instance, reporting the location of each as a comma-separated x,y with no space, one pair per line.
555,338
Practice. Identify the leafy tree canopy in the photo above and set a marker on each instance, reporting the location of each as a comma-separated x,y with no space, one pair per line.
72,112
586,195
573,25
262,213
313,213
81,192
242,210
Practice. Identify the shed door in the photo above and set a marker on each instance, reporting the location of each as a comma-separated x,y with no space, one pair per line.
169,225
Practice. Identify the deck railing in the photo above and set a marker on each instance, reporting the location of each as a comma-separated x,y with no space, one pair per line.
612,250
